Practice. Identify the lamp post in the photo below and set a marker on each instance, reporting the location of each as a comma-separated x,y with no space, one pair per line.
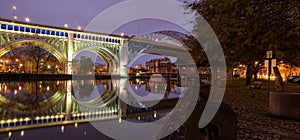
13,11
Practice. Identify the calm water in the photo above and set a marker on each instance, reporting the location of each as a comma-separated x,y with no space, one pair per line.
34,104
21,99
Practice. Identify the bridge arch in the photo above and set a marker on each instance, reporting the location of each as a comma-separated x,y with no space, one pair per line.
107,55
59,54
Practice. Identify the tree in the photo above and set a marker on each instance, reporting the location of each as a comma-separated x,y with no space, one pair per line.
247,29
86,65
196,51
36,54
29,53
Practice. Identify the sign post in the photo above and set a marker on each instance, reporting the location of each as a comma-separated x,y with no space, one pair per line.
269,58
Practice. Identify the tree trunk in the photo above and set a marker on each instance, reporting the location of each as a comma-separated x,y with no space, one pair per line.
290,72
278,80
37,67
248,76
255,74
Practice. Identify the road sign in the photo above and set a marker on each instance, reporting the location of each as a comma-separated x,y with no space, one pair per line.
269,54
273,63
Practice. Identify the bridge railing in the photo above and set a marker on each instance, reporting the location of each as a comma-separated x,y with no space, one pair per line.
57,32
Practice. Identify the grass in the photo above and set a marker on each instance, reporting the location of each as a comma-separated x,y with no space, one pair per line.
252,109
239,95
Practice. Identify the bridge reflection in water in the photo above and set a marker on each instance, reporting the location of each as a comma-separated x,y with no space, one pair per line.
34,104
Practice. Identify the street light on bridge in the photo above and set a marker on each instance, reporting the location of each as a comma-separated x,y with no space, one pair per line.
27,19
78,28
66,25
14,8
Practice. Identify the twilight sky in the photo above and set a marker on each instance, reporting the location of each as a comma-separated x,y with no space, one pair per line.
80,13
75,13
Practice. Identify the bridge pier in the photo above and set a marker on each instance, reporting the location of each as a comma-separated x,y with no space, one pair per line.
123,96
68,99
70,53
123,53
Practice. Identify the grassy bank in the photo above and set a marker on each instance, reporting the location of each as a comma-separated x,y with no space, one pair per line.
239,94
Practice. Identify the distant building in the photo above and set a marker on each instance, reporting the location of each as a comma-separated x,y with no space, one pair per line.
138,67
162,65
100,69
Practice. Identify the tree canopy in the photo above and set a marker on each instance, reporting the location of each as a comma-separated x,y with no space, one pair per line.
247,29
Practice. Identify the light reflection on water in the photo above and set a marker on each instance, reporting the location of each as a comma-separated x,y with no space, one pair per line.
34,92
91,99
86,90
146,90
29,93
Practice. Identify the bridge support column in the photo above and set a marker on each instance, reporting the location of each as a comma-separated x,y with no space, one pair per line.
123,53
70,53
68,100
123,96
